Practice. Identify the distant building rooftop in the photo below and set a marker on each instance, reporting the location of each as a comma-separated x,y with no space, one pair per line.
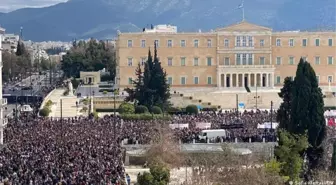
164,28
2,30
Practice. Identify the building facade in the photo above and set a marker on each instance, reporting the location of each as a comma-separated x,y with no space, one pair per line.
3,101
236,56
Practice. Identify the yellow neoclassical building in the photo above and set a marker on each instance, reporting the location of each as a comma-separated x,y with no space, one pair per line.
229,57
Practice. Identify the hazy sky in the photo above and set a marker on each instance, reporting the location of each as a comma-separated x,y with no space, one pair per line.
10,5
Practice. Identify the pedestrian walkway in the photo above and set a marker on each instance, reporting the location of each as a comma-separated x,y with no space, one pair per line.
53,96
68,108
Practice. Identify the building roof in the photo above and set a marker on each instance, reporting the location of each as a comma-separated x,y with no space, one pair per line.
244,26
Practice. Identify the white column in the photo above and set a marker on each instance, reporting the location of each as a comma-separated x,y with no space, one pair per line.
267,76
224,78
261,79
255,79
243,79
249,79
231,75
237,77
272,80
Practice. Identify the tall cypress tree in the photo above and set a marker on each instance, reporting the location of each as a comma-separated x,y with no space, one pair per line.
283,116
148,78
20,49
134,94
150,87
301,95
317,126
333,159
307,111
159,82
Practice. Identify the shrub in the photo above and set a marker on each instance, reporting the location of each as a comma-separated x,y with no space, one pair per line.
49,103
107,90
126,108
145,116
105,86
156,110
192,109
141,109
44,112
176,110
330,108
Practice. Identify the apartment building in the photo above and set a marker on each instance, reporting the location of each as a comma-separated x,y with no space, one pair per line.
238,55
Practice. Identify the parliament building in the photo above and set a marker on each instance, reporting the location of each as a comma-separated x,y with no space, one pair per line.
235,56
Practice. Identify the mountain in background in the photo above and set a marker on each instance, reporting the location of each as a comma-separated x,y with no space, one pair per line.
102,18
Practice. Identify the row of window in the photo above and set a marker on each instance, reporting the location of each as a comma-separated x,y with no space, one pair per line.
241,59
183,43
183,80
278,79
241,41
196,61
317,60
304,42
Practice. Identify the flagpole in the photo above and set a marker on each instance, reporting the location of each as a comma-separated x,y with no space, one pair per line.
243,13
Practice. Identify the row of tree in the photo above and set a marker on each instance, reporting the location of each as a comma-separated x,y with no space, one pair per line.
19,64
302,126
89,56
150,86
16,64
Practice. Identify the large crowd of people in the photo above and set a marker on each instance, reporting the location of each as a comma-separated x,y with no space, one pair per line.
74,151
89,151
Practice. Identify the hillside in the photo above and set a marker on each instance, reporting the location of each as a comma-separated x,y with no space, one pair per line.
101,18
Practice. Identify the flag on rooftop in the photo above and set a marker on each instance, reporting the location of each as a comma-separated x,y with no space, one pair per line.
241,5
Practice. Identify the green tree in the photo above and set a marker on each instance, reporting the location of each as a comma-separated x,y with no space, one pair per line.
159,175
145,179
307,109
150,87
333,159
289,153
283,116
126,108
15,65
159,82
138,92
20,49
192,109
91,56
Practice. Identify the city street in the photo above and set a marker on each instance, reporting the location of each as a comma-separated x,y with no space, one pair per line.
9,111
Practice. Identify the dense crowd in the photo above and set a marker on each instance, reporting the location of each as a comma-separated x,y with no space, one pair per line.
88,151
71,151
